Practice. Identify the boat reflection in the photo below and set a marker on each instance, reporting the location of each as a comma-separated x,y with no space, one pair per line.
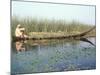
22,45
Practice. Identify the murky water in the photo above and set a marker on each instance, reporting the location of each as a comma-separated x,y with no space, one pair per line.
62,55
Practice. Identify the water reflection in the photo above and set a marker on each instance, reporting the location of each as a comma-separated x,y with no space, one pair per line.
20,46
58,55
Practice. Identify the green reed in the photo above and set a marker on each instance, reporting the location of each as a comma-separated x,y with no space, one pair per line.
46,25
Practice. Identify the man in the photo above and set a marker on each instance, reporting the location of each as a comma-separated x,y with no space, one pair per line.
20,32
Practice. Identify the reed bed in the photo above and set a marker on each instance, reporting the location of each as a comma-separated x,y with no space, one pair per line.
44,26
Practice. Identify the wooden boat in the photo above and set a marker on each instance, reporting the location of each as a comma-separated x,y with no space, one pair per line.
72,36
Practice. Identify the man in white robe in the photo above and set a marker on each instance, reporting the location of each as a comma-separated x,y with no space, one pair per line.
20,32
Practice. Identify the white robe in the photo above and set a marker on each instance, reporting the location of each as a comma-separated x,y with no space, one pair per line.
18,32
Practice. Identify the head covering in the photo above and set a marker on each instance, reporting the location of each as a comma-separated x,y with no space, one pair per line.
18,26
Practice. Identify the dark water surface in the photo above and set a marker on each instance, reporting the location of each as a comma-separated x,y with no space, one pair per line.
57,55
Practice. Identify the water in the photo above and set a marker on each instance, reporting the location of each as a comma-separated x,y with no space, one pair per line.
56,55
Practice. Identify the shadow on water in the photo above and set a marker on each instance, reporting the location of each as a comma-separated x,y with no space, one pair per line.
52,55
86,40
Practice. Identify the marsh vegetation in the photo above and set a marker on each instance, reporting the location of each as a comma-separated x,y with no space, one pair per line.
41,27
